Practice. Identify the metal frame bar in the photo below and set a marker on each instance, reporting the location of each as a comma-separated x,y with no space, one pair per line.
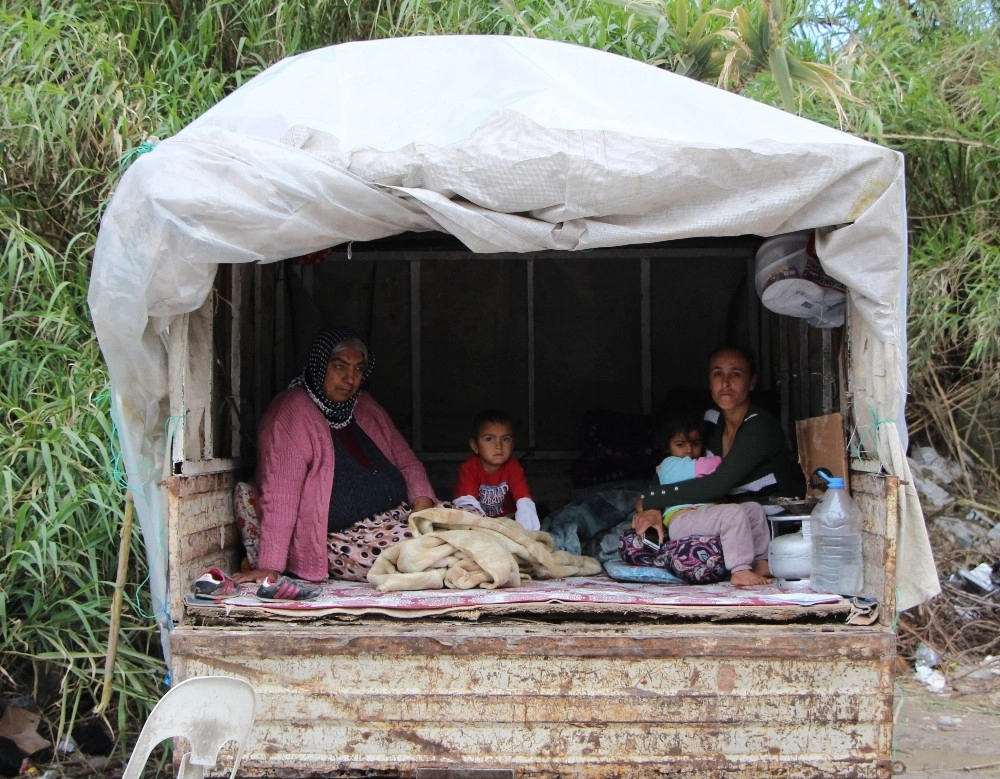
804,374
529,272
417,435
646,336
828,372
235,360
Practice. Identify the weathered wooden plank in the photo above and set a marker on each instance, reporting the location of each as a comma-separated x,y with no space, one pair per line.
199,379
559,700
201,530
565,639
176,378
242,615
666,706
198,484
877,498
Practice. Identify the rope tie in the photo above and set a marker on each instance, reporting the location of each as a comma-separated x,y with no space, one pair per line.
877,422
146,146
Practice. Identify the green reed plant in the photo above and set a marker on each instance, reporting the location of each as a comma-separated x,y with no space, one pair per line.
82,83
60,503
931,78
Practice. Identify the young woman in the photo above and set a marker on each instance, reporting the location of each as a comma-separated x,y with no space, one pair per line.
756,463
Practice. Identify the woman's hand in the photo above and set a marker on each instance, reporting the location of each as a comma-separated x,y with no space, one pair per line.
644,520
257,575
421,503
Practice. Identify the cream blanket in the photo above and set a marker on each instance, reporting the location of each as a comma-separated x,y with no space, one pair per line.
460,550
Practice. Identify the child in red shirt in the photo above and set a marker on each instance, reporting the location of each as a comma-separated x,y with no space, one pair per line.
491,481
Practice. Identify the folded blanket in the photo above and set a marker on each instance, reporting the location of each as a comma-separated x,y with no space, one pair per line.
457,549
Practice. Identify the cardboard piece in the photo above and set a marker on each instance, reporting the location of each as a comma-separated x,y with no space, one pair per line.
822,444
21,727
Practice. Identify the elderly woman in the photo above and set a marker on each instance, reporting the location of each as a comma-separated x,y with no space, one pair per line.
336,479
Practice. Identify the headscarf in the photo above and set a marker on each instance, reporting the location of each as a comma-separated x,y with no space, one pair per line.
338,414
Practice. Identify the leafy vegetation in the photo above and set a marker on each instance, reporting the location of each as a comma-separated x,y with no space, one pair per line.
933,75
82,83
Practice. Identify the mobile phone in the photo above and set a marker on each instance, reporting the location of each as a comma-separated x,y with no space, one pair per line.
651,540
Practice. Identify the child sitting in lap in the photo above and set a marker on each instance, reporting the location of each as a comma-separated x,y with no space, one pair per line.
741,527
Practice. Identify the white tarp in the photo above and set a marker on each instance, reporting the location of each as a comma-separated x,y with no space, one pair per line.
510,144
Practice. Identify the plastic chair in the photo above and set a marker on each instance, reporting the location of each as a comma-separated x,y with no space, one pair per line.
208,711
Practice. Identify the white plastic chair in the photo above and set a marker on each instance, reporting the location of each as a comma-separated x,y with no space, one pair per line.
208,711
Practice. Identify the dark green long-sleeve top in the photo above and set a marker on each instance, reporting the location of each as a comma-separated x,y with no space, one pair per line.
757,466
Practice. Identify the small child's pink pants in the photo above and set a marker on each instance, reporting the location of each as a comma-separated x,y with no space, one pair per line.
741,528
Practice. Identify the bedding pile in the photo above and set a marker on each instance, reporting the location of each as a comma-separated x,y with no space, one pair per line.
456,549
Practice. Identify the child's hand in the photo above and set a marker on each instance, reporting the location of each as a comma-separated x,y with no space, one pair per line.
706,465
526,515
470,504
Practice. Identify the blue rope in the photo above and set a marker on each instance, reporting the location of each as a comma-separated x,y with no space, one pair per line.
119,476
116,471
877,423
146,146
138,606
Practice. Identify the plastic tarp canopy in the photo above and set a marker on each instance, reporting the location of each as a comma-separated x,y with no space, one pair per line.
511,145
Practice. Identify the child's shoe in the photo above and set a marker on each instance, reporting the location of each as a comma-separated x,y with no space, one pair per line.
285,590
215,584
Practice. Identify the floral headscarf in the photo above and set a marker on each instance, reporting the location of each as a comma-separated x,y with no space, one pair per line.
338,414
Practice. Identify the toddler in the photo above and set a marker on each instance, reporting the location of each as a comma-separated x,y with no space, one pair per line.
741,527
684,443
490,480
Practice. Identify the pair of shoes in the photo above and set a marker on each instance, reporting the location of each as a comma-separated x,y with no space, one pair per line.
285,589
215,584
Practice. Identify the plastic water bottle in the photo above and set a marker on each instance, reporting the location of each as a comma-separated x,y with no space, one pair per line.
836,542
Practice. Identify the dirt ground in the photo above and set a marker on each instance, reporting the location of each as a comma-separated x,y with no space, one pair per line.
954,734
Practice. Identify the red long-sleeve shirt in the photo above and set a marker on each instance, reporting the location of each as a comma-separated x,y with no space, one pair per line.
496,492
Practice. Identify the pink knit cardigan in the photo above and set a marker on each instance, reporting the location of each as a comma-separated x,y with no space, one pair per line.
295,467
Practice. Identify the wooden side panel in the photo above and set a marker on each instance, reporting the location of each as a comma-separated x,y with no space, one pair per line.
876,496
559,700
201,530
198,385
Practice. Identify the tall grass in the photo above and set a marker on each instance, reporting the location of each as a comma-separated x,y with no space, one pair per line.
81,83
59,505
933,72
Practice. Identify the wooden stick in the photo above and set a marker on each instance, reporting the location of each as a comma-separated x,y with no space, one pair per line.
116,605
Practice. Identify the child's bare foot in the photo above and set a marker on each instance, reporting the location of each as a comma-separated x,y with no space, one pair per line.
761,568
748,578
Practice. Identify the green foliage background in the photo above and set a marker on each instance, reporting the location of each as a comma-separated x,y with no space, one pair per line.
84,82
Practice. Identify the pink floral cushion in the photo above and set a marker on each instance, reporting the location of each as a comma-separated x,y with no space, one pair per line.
247,518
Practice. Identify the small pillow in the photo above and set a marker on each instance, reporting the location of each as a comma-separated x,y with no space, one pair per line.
633,551
695,559
644,574
247,518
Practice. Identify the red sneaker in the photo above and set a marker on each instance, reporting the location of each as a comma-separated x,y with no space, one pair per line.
285,590
215,584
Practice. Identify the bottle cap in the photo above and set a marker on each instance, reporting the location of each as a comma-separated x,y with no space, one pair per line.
835,483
